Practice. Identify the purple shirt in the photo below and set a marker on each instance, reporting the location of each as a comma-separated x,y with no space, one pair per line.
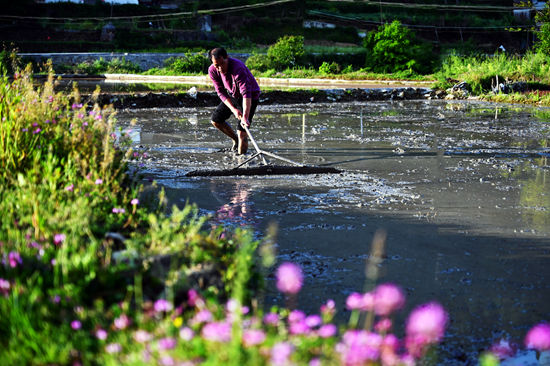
239,81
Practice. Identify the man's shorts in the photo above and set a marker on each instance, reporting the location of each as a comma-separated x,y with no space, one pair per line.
222,112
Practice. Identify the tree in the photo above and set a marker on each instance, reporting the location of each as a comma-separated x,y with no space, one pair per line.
543,43
395,48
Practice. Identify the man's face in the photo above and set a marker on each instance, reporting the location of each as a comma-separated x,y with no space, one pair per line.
220,64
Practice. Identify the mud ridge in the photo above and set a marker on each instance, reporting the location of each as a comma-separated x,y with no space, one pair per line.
210,99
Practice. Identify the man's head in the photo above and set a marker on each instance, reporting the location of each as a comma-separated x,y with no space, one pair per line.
218,56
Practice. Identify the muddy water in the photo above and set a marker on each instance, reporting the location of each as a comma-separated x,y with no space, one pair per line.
462,190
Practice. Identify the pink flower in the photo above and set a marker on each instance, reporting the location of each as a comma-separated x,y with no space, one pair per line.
359,347
134,202
167,343
167,361
186,334
202,316
280,354
383,326
122,322
76,325
289,278
4,287
217,331
329,308
101,334
425,326
162,305
503,349
296,316
354,301
117,210
98,181
59,238
387,299
194,299
299,328
327,331
113,348
14,259
271,319
253,337
142,336
313,321
538,337
69,188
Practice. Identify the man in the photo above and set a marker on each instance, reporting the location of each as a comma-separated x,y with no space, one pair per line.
239,93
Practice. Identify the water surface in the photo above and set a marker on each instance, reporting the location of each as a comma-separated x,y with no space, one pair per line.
461,188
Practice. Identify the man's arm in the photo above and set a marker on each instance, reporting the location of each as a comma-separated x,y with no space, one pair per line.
247,102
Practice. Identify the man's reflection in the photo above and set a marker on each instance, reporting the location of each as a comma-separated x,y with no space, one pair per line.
236,208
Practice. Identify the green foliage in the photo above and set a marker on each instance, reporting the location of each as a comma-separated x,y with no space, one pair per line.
259,62
395,48
480,71
190,63
329,68
115,66
287,52
9,60
543,42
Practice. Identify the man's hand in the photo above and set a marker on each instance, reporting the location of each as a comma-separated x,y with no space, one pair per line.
245,122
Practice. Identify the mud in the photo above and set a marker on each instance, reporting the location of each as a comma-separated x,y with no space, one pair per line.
462,190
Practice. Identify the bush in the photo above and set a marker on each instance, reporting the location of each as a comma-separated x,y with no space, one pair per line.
190,63
259,62
115,66
394,48
8,61
287,52
543,43
328,69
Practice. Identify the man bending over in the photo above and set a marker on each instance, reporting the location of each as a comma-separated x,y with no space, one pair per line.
239,93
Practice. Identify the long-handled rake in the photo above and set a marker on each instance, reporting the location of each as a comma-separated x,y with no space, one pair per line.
265,169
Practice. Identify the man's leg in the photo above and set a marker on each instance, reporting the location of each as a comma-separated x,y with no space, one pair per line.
227,130
243,142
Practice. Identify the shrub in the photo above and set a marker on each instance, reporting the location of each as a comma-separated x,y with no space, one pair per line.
328,69
259,62
101,66
8,61
395,48
190,63
543,43
287,52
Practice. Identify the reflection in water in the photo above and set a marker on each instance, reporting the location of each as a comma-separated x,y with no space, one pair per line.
236,208
535,196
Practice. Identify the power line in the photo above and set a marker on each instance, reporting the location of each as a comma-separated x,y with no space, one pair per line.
436,6
156,16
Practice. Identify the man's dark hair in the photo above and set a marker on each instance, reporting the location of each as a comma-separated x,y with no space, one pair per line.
218,52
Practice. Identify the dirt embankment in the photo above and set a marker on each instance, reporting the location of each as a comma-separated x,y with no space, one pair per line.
207,99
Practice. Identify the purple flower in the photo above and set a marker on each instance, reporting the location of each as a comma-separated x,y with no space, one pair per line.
76,324
329,308
101,334
383,326
69,188
59,238
253,337
387,299
299,328
162,305
327,331
167,343
77,105
14,259
98,181
117,210
134,202
289,278
280,353
538,337
217,332
38,130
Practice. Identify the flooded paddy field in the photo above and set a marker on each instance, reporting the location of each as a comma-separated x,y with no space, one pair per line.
462,190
